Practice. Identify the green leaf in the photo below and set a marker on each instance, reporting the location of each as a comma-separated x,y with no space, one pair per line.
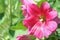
2,6
58,9
1,15
11,32
18,26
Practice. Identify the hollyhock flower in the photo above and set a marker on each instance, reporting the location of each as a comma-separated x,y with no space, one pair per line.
40,23
23,37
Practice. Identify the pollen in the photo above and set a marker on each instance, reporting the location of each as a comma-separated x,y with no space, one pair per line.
42,18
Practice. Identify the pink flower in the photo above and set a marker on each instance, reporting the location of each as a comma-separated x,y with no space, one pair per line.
40,21
23,37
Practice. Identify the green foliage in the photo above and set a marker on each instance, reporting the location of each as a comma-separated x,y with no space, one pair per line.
18,26
11,18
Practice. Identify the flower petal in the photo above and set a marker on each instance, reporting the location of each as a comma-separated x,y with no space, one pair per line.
23,7
37,30
32,30
26,15
26,2
39,33
51,14
51,25
30,21
47,32
57,20
45,6
33,10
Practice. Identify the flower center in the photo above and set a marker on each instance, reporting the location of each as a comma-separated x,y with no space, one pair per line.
42,18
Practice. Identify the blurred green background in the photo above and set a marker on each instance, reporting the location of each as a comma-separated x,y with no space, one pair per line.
11,19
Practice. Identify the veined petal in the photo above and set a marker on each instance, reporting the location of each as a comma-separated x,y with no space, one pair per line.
51,15
37,30
47,32
33,9
51,25
41,30
32,31
45,6
30,21
39,34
